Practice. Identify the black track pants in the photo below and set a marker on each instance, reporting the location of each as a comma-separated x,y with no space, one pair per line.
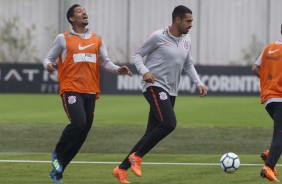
161,122
79,109
274,109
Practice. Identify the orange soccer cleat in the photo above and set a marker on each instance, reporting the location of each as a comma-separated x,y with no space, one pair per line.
264,156
268,173
120,174
136,162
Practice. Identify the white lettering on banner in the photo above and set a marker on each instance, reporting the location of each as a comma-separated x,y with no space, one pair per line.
231,83
129,83
30,73
27,75
185,84
49,88
214,83
14,75
53,76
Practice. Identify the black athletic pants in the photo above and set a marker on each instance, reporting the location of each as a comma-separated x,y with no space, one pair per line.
80,111
161,122
274,109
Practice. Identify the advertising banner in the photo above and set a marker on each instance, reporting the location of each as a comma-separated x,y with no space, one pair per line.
220,80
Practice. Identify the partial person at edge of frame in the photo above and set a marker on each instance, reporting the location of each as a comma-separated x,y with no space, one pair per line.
268,68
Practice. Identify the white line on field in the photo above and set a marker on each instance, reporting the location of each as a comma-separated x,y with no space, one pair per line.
147,163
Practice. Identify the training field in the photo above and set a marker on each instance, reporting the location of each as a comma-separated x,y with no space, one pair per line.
30,126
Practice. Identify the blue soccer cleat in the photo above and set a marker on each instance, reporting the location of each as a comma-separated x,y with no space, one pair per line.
56,177
56,163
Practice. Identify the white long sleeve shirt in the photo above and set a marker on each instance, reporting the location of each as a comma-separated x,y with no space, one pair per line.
167,56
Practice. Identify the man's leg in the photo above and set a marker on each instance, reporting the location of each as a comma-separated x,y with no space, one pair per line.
73,105
89,107
120,172
268,171
162,107
152,123
275,111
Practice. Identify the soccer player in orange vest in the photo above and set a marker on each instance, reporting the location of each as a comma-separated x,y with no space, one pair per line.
81,53
268,69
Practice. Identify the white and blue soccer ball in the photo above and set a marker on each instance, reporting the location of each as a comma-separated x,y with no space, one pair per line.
229,162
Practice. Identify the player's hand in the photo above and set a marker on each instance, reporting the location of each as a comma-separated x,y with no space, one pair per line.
124,70
203,91
51,67
149,77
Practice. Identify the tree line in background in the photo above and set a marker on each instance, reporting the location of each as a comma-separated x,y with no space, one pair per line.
17,42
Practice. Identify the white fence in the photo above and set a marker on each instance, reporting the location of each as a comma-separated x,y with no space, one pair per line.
225,32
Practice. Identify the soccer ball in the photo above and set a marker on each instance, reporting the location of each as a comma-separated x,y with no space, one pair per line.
229,162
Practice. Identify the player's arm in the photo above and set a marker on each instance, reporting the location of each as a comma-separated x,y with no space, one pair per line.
190,70
256,70
256,67
108,65
148,46
49,62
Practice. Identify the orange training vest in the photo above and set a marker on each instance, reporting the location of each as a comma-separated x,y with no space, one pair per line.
79,72
271,72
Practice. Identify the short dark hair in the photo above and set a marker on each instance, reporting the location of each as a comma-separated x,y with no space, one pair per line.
70,12
180,11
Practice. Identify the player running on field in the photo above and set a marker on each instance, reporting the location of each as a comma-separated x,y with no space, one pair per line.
81,53
268,69
168,52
